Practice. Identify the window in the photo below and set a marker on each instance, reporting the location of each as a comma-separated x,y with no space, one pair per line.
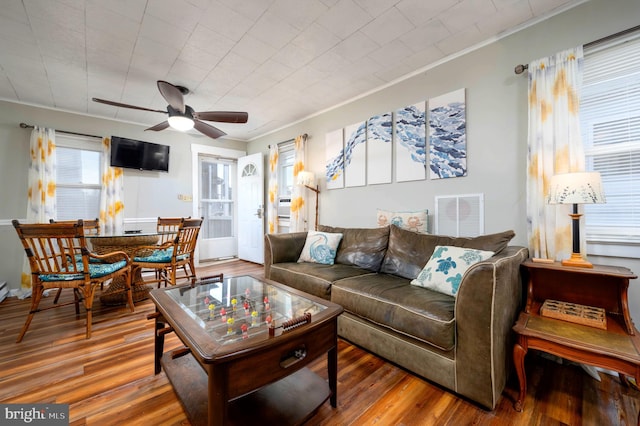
78,177
610,119
217,196
286,155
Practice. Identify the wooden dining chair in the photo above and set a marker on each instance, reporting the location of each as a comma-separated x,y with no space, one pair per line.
90,227
167,228
59,258
167,258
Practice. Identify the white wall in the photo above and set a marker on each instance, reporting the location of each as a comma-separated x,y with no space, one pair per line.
496,126
147,194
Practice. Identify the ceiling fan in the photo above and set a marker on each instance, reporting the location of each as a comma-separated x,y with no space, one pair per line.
183,117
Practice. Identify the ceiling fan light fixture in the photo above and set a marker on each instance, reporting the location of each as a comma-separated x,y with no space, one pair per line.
181,116
180,122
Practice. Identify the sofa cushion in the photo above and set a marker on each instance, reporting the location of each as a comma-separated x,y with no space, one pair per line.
392,302
362,247
446,267
320,247
416,221
313,278
408,251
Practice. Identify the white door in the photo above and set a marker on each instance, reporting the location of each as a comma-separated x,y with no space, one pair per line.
216,204
251,208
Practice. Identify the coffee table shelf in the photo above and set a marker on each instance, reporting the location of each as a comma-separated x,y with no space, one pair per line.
275,404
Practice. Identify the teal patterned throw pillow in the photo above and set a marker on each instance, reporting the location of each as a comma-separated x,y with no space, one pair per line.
320,247
446,267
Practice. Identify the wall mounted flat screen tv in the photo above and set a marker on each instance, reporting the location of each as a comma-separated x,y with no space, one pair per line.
133,154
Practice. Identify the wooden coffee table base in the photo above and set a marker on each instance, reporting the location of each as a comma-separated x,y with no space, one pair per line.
248,375
290,401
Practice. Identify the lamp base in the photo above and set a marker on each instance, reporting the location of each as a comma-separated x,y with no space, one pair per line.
578,261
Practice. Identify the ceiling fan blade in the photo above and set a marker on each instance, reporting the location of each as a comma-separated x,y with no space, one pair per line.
207,129
223,116
118,104
172,95
158,127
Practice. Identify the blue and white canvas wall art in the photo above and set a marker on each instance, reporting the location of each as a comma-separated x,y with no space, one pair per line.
355,154
379,148
411,143
334,165
448,135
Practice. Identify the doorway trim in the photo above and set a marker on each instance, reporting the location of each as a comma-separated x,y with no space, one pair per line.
213,151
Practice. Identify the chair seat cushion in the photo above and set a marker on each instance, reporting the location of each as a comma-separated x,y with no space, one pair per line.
96,270
160,256
78,258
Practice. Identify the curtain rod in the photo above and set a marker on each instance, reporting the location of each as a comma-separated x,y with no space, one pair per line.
288,140
29,126
520,68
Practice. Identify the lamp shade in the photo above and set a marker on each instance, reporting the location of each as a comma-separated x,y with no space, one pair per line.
306,178
576,188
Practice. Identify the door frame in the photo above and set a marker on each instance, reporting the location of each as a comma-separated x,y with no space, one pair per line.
212,151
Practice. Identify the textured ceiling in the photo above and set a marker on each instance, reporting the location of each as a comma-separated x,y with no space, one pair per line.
279,60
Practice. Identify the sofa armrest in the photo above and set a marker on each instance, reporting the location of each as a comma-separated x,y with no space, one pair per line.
488,302
279,248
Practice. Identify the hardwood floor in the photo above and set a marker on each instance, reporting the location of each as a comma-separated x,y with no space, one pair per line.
109,380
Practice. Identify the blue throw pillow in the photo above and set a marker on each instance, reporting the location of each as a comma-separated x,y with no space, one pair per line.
320,247
446,267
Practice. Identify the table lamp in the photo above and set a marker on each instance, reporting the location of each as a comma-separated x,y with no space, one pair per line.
576,188
307,179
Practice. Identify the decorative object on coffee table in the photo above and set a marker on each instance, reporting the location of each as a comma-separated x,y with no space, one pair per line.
576,188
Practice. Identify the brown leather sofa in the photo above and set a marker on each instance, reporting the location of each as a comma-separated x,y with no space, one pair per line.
463,343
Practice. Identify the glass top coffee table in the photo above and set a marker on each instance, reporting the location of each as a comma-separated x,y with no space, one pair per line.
247,342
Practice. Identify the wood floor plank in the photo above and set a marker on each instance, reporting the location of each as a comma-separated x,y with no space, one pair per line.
109,380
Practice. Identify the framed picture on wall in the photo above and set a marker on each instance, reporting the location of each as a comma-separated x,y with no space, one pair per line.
355,154
411,143
379,148
334,155
448,135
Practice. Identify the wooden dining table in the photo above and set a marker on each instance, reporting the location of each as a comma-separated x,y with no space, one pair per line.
129,243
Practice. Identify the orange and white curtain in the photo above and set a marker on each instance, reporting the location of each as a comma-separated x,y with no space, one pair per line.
111,195
299,193
41,193
555,146
272,198
41,181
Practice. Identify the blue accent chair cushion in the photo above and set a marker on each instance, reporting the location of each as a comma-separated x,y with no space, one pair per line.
160,256
96,270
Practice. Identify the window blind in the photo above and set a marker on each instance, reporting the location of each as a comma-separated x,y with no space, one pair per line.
610,120
78,179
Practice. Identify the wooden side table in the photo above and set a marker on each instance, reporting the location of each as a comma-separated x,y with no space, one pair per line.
615,348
